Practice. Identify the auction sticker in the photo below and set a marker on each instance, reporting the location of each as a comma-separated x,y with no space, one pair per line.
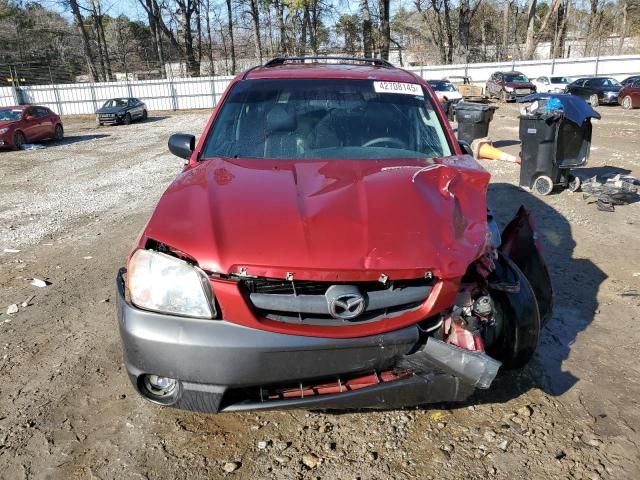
398,87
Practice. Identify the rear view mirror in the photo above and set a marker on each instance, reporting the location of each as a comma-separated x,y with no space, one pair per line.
182,145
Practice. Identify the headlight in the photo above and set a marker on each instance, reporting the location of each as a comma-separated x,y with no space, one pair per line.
3,130
166,284
508,89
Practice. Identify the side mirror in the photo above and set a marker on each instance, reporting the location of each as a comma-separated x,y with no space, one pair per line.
182,145
465,147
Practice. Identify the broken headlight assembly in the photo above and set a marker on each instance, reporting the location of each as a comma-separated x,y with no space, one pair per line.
166,284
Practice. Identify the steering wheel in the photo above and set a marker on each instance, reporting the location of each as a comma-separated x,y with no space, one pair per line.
391,140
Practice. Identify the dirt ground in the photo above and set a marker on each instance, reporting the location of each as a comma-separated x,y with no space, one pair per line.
67,410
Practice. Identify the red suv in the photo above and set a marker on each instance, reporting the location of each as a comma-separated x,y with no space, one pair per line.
507,86
327,245
28,123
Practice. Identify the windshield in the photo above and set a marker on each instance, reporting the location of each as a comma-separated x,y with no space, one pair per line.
10,115
605,82
515,78
442,86
300,118
559,80
116,102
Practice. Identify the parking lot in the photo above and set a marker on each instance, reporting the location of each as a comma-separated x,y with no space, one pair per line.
73,211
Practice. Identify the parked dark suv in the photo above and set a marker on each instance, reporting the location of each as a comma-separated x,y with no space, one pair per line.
507,86
121,111
596,90
327,245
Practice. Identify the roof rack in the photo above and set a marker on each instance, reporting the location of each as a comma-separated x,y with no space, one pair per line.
374,61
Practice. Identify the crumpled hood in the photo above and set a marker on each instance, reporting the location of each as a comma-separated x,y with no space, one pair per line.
326,219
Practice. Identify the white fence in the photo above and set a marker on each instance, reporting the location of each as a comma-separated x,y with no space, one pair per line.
205,92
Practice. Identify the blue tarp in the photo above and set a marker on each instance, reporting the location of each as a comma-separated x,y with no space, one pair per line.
573,108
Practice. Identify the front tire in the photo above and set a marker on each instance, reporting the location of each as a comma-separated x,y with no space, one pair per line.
593,100
127,119
145,115
503,96
627,104
18,140
58,133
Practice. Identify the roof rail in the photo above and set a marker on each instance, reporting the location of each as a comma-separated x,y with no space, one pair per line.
374,61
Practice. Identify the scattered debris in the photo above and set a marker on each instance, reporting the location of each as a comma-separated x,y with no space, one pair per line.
437,415
11,250
12,309
263,444
310,460
27,302
619,190
37,282
31,146
503,445
88,257
230,467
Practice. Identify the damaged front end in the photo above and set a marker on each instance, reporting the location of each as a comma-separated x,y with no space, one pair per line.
505,298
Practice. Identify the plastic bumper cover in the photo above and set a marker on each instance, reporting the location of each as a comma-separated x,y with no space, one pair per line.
211,358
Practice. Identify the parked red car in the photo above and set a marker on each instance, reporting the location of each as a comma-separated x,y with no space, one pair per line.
629,96
327,245
508,86
28,124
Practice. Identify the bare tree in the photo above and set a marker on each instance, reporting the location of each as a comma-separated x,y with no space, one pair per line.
367,29
84,38
230,30
533,35
384,29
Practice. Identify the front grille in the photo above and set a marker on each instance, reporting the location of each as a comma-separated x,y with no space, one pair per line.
314,302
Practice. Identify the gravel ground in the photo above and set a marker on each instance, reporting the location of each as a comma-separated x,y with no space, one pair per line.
66,409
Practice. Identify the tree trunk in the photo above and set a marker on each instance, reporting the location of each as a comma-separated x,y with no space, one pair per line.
367,29
84,40
255,17
103,39
506,41
533,36
448,32
96,21
385,30
212,69
193,65
531,27
283,48
303,35
561,34
623,27
199,30
314,21
232,47
592,27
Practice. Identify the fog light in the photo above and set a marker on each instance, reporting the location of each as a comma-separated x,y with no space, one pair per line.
160,386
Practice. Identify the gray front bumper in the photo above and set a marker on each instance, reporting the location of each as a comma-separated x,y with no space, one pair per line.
213,357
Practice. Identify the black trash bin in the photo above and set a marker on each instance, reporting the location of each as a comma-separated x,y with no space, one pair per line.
554,138
473,120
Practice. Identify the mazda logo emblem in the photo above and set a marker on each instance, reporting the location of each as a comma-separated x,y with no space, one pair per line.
345,302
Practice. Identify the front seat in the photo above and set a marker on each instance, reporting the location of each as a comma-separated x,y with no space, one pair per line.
281,139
